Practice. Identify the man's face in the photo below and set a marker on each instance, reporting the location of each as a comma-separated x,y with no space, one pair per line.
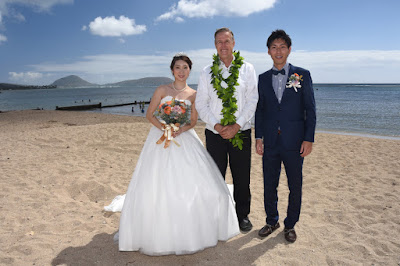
279,52
224,44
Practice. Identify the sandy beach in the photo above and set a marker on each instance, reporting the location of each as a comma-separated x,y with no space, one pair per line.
59,169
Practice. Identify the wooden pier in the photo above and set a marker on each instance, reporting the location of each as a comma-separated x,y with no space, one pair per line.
79,107
95,106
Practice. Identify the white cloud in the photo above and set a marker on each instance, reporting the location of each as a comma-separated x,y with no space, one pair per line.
2,38
84,27
351,66
179,20
121,40
110,26
38,5
25,77
211,8
18,16
369,66
325,67
108,68
9,8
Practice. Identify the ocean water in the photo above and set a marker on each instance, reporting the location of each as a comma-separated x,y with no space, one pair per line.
359,108
48,99
364,109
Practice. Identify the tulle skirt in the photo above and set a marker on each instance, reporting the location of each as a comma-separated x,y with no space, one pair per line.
177,201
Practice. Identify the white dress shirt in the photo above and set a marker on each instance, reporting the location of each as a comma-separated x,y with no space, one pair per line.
209,106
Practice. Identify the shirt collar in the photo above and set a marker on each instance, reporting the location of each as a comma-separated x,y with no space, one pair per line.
286,67
223,64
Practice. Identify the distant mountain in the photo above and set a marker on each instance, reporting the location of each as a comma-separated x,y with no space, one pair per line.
149,81
75,81
72,81
8,86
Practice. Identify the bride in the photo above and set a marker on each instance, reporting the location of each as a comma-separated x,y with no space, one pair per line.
177,201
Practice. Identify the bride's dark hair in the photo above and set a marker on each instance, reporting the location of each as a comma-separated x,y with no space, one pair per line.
181,56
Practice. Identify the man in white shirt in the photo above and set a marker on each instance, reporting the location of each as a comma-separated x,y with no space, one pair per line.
209,105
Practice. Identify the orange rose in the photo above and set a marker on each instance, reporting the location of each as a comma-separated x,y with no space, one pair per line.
169,102
167,110
183,110
296,74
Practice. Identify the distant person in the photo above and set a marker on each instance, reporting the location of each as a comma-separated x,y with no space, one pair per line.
133,109
209,104
177,201
284,129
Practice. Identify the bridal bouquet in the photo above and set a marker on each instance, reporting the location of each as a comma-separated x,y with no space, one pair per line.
173,114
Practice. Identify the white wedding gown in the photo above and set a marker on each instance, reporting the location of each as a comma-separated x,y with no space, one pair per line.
177,201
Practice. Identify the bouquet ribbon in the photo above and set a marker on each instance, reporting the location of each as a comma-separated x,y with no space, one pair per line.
167,136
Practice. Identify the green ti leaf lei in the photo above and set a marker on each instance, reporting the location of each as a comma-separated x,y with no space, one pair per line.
229,102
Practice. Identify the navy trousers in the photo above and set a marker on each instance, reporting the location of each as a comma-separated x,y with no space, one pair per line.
293,162
239,162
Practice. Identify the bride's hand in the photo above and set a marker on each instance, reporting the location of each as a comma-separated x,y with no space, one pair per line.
177,133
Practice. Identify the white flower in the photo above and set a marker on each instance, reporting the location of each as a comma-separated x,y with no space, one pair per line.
224,85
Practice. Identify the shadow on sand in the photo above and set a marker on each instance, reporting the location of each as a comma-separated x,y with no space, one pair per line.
242,250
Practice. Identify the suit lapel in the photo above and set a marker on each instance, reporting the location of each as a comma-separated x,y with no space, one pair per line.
271,87
291,72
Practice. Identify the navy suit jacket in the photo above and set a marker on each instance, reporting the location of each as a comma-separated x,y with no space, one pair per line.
295,115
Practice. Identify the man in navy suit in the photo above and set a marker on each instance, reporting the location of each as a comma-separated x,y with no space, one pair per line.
284,128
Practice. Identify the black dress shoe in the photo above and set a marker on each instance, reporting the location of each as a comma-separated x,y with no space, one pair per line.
268,229
290,235
245,224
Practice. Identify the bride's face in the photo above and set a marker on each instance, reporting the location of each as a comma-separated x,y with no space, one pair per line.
181,70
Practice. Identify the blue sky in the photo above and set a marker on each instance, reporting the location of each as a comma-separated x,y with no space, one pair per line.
103,41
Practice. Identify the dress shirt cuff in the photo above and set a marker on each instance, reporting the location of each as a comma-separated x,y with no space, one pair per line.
241,122
213,122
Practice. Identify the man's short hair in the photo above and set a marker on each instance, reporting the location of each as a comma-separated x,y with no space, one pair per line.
279,34
224,29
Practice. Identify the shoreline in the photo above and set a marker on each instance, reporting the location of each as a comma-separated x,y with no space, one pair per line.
142,115
357,134
327,131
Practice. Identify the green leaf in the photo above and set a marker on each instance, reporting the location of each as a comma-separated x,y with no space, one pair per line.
227,95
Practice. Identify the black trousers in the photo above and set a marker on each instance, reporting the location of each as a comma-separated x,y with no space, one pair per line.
239,162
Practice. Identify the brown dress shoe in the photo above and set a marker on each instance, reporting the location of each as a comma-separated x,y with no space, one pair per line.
268,229
290,235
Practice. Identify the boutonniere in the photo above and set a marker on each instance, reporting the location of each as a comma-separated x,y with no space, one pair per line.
294,81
